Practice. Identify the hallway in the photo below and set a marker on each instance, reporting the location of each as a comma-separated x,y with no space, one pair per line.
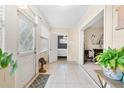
67,75
30,32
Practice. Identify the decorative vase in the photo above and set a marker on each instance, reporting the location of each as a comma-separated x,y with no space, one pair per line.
115,75
123,79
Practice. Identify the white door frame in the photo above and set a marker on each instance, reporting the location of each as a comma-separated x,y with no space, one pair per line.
81,47
81,38
67,42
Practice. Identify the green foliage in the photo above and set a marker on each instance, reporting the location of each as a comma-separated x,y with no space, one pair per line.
6,60
111,58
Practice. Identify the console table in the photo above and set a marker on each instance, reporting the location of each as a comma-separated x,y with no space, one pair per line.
112,83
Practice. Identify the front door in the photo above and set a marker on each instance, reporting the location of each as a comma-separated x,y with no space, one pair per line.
26,50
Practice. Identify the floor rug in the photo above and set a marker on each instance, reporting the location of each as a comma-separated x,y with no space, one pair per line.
40,81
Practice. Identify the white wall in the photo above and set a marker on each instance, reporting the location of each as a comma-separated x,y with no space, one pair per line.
44,33
43,29
72,41
92,11
10,40
108,30
118,35
98,32
114,38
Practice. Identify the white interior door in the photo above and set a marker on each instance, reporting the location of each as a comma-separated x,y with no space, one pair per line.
53,48
26,50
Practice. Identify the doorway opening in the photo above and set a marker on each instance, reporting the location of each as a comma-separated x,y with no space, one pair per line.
92,44
93,39
62,47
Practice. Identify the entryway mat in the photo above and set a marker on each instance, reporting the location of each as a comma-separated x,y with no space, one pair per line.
40,81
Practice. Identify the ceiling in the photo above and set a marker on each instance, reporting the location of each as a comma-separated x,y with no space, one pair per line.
63,16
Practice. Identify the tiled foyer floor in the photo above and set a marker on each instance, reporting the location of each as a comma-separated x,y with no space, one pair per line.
67,75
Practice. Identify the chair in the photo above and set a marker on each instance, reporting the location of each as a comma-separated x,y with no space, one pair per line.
87,57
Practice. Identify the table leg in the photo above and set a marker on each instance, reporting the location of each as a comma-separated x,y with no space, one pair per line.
102,85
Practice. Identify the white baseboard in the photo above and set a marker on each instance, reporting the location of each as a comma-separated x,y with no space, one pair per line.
31,81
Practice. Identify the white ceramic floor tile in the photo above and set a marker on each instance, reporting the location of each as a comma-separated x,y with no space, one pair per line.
67,75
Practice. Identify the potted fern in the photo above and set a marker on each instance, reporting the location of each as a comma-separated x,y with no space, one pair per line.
7,60
112,62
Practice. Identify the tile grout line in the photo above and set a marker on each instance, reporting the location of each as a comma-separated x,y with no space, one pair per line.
90,76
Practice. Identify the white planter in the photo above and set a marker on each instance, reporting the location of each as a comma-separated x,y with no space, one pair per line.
115,75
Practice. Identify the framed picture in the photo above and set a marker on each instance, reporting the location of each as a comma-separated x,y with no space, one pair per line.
120,17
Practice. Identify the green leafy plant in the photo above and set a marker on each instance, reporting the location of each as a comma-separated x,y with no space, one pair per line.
112,58
6,60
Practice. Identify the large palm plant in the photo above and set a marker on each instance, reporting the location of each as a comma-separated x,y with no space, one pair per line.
6,60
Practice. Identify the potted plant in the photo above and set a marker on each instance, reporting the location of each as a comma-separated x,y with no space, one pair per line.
6,60
112,62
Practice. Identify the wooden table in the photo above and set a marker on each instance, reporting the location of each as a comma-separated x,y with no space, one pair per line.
112,83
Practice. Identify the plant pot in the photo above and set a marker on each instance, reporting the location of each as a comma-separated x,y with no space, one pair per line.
121,68
123,79
115,75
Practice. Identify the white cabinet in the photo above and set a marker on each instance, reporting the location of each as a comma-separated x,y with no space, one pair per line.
62,52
